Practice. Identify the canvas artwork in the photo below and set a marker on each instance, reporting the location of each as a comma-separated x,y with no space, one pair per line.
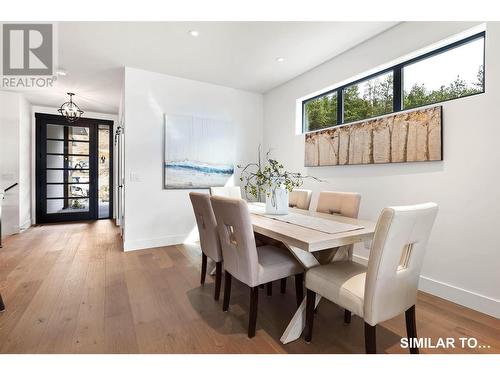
397,138
199,152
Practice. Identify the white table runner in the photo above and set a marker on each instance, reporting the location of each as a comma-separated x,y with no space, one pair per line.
311,222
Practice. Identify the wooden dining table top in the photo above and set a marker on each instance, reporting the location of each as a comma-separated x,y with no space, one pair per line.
306,238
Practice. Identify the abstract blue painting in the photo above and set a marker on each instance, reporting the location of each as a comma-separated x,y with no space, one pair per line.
199,152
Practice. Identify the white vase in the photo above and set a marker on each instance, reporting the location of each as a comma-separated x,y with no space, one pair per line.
277,201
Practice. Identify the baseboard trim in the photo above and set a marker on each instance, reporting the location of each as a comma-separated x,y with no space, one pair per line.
467,298
359,259
486,305
25,225
153,242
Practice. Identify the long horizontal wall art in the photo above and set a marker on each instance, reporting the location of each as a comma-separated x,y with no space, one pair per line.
398,138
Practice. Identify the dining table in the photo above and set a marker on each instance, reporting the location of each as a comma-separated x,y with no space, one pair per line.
313,238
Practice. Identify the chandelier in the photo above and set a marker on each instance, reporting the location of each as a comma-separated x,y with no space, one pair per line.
70,110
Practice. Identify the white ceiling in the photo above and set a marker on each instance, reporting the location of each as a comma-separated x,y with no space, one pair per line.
234,54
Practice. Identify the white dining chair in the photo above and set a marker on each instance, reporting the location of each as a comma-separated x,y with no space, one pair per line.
388,286
297,198
253,266
300,198
226,191
344,204
209,237
339,203
235,192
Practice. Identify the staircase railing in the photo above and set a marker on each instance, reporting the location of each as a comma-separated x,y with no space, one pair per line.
10,187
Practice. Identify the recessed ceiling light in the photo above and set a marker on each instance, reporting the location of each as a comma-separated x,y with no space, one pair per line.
194,32
61,72
280,59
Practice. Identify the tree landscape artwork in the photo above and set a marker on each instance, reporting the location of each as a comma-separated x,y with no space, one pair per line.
199,152
397,138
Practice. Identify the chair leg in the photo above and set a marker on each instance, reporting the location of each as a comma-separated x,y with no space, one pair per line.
310,301
203,268
254,302
2,305
370,339
411,328
218,279
347,316
283,285
269,287
299,288
227,291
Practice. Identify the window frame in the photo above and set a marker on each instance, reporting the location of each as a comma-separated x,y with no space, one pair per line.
398,84
357,82
340,106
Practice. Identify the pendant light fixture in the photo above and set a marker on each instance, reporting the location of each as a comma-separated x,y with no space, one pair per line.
70,110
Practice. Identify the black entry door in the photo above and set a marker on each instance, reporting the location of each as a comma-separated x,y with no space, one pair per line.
67,169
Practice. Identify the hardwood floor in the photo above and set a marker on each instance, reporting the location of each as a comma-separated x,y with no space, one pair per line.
69,288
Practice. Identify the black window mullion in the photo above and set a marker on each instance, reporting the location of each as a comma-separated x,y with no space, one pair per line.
70,140
63,154
397,87
340,106
67,169
68,183
68,199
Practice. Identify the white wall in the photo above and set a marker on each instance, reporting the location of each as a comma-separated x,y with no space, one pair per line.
24,163
119,162
9,160
157,217
15,161
463,257
53,111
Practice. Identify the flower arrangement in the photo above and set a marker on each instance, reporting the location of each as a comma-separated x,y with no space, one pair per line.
267,177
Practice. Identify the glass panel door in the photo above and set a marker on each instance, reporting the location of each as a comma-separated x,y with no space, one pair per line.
66,170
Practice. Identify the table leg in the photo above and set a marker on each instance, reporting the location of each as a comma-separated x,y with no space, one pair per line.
294,329
307,259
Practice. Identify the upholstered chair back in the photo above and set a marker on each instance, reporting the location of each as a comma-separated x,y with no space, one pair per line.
226,191
207,226
237,239
300,198
338,203
396,258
